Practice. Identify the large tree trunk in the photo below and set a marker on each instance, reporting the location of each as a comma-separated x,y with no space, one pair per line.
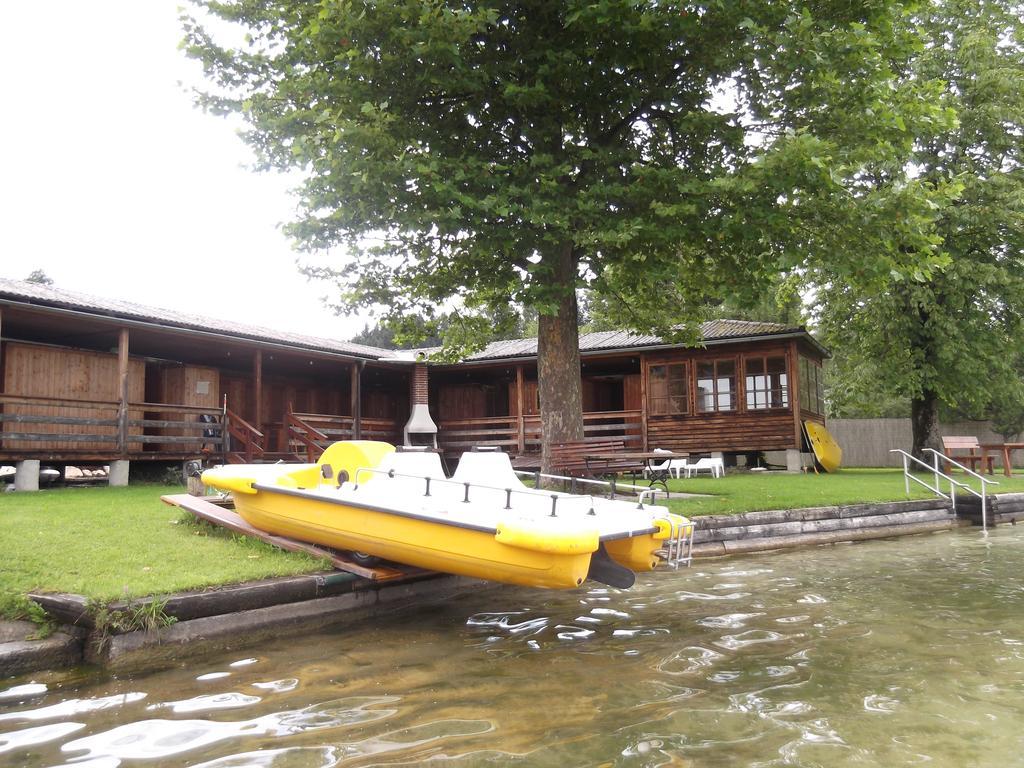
558,364
924,421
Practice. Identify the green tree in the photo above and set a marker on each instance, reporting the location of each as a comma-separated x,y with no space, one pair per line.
662,153
951,338
39,277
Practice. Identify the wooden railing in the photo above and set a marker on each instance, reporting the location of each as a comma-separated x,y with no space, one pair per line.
36,424
251,445
308,434
518,435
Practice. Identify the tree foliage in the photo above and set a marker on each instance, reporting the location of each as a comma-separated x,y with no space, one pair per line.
951,338
39,277
660,154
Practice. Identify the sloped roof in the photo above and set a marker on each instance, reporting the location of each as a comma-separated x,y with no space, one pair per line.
44,295
713,331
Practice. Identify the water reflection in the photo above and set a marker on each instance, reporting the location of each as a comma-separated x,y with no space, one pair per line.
882,654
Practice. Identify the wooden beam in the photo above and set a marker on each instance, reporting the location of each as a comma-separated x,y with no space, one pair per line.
257,389
122,376
794,392
2,376
643,401
520,408
356,400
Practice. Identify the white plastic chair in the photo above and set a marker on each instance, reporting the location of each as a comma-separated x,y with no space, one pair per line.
665,466
715,466
678,467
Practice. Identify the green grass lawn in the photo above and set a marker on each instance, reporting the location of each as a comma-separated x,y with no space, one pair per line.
111,543
750,491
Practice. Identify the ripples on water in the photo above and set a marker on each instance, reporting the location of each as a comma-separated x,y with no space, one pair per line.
895,653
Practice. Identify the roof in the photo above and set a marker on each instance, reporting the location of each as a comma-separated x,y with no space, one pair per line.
712,332
47,296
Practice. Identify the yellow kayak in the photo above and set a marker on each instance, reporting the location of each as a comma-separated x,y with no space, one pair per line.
826,449
366,497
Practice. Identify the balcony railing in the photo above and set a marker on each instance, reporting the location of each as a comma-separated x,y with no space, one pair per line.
522,434
32,425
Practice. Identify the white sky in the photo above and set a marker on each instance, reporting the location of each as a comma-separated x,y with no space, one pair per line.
115,185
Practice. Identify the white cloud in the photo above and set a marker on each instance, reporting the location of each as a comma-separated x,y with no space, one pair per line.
114,184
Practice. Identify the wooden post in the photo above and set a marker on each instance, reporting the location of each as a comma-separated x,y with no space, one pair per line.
643,402
1,362
122,375
794,392
356,398
257,389
520,408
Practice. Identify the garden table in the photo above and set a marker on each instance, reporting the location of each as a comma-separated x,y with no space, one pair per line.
1006,451
636,461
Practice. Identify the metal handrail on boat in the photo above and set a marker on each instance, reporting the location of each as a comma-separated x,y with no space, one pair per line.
953,483
613,484
554,497
509,491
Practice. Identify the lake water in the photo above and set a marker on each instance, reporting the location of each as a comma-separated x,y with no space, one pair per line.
904,652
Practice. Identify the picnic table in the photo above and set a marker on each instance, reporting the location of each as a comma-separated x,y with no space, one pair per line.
1005,450
641,461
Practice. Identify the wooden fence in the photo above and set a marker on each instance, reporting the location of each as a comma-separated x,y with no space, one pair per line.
866,442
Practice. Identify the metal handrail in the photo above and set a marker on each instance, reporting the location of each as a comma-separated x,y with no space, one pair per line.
642,491
469,486
953,483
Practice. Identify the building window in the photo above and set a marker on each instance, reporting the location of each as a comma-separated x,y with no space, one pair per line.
811,380
767,382
668,390
716,386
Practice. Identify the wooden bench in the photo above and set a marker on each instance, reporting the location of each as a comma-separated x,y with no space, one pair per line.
574,458
954,443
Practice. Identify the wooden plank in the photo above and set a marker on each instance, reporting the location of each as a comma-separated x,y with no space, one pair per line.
176,440
49,436
794,393
257,379
185,425
520,416
122,389
355,398
19,418
231,520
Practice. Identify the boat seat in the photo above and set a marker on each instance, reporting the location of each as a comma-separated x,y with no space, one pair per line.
487,468
416,463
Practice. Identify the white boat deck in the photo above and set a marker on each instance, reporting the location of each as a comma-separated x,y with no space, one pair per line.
495,494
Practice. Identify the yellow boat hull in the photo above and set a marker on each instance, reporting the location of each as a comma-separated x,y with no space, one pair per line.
826,449
536,551
414,542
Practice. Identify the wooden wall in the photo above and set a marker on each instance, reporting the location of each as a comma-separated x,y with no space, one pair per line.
737,430
187,385
33,370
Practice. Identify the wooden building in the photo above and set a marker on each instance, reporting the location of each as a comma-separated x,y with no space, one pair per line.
746,391
85,379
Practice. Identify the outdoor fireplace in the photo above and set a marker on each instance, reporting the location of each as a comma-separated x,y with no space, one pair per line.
420,429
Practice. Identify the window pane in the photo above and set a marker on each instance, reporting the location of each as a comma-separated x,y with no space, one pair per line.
705,370
726,368
776,365
755,365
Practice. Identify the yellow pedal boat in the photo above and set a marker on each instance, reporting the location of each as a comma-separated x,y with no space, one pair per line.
366,497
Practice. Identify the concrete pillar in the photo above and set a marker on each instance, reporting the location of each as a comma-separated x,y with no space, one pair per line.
118,474
26,475
794,462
